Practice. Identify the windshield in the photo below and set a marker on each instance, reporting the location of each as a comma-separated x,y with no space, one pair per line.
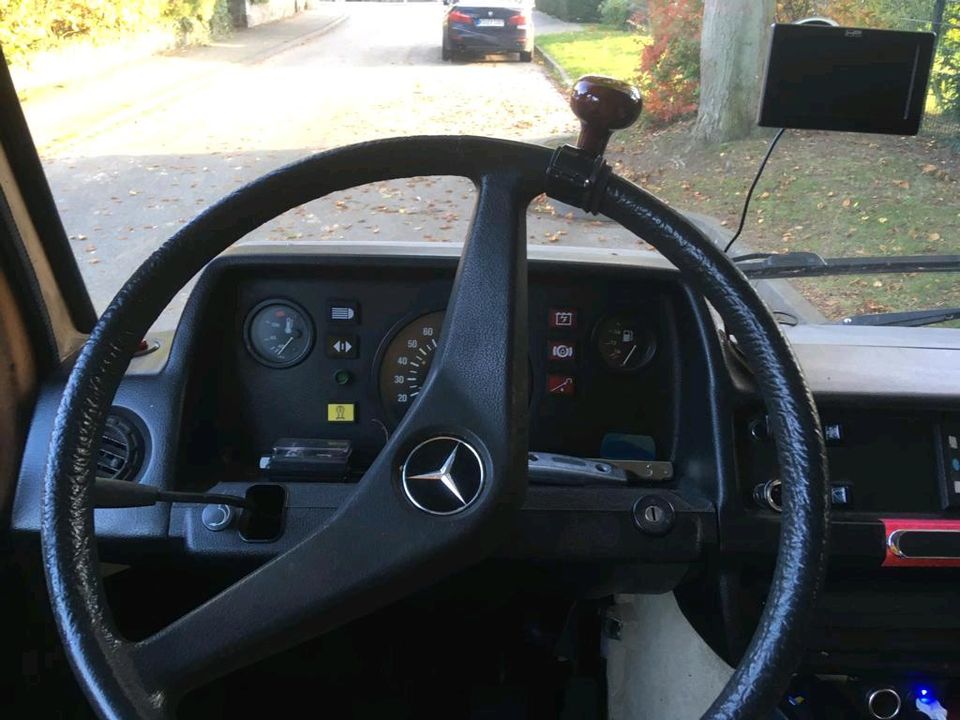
145,113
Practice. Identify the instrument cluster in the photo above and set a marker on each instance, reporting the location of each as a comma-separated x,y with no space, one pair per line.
279,333
342,356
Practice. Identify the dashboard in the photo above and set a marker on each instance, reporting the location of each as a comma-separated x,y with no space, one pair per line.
292,365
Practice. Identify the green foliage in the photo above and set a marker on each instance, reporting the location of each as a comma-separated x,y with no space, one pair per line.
31,26
856,13
670,65
945,80
571,10
615,13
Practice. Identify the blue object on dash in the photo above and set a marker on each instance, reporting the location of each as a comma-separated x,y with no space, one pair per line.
623,446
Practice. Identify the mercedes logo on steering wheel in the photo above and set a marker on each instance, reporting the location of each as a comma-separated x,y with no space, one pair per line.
442,475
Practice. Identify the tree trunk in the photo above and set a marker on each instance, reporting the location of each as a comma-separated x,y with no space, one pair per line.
733,51
937,24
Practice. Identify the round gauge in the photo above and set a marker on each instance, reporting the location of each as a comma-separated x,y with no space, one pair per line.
625,344
406,361
279,334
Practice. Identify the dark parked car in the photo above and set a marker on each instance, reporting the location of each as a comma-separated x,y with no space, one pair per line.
488,27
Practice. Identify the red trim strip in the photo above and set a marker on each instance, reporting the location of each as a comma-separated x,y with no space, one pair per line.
891,525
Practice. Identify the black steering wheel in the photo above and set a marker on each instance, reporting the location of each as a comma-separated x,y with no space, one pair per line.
379,546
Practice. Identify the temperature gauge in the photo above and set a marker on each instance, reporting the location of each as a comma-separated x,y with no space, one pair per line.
625,343
279,334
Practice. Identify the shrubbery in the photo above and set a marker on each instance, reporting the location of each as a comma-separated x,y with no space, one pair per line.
29,26
670,64
571,10
616,13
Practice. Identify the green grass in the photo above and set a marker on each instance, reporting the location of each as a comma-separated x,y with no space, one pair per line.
599,51
837,194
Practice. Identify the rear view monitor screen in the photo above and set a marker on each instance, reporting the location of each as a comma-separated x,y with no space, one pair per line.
852,79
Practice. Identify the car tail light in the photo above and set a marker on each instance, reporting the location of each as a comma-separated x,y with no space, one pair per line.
456,16
518,21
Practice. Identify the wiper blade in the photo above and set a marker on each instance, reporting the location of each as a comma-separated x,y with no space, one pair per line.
761,266
912,318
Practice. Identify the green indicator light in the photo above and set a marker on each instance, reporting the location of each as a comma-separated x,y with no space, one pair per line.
342,377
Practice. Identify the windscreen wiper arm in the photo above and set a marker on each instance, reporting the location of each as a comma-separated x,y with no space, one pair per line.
763,266
912,318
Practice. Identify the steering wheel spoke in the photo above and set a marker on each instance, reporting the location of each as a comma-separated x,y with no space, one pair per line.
478,380
388,540
373,551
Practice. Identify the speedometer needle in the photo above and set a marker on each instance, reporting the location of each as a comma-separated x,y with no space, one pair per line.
284,346
629,355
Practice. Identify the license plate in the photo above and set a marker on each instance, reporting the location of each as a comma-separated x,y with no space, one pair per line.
489,22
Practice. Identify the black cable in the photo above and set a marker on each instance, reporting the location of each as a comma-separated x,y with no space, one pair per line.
173,496
124,494
756,179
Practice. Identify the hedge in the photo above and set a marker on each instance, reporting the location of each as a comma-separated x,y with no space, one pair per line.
571,10
32,26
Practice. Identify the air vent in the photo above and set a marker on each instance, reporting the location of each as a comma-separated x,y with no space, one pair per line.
121,449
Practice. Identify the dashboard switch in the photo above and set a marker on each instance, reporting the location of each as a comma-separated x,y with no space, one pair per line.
840,495
950,440
833,433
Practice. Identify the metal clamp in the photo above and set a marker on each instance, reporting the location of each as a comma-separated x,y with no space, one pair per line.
577,178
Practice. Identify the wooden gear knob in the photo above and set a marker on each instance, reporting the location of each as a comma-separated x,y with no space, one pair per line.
603,105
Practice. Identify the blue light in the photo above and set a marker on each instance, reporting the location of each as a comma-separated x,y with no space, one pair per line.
925,695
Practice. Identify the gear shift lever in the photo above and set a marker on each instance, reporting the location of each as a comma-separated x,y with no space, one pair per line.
603,105
578,175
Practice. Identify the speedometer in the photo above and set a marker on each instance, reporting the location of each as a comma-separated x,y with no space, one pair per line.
405,362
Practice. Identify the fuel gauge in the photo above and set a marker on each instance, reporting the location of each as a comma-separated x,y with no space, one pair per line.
625,343
279,334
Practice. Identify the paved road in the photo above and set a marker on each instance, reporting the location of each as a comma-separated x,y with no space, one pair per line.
125,190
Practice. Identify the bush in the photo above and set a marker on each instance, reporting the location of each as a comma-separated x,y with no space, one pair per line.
616,13
670,65
30,26
945,80
571,10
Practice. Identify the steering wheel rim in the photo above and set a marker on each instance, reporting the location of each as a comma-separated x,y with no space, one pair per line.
124,679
